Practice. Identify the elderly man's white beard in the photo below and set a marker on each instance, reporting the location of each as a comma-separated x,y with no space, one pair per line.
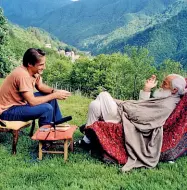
161,93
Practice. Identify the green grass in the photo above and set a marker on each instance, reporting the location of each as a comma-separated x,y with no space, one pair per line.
81,171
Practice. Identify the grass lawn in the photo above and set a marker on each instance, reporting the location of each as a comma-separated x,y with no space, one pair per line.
81,171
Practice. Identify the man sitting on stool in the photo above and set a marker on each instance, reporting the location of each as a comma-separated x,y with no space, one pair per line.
18,102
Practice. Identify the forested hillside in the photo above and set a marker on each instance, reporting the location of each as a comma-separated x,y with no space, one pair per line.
83,19
122,74
108,43
21,39
23,12
107,26
14,41
166,40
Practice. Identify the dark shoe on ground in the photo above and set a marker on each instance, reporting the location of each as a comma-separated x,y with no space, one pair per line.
82,144
82,128
46,145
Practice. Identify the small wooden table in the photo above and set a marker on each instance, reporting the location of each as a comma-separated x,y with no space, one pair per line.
59,134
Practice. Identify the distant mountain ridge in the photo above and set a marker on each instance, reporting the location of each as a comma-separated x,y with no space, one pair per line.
73,22
21,39
106,26
166,40
22,12
109,43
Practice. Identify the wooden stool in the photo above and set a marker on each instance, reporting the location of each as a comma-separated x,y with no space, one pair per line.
14,127
59,134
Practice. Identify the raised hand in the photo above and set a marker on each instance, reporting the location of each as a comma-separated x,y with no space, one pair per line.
150,83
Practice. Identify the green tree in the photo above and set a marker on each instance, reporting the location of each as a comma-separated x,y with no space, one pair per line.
5,65
122,75
3,28
140,66
169,66
58,70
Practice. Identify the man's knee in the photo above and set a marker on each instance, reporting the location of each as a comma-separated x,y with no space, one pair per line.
46,107
94,105
104,95
94,109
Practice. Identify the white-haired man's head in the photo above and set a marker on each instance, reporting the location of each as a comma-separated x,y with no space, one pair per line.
179,83
172,84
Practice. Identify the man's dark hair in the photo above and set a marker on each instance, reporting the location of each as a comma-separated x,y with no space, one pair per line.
32,56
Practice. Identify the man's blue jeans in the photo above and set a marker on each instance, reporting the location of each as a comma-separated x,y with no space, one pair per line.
46,113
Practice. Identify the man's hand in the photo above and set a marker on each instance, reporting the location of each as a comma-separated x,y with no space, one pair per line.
150,83
57,94
61,94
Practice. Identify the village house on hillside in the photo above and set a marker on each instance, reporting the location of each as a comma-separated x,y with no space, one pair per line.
70,54
48,45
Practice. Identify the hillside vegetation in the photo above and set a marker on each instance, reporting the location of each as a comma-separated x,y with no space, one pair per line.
21,39
166,40
140,23
107,26
82,19
23,12
122,74
15,41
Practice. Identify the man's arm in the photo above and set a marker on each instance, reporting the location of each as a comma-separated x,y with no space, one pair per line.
149,84
41,87
143,95
33,101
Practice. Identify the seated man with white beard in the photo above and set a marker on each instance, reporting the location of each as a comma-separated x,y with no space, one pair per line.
142,120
